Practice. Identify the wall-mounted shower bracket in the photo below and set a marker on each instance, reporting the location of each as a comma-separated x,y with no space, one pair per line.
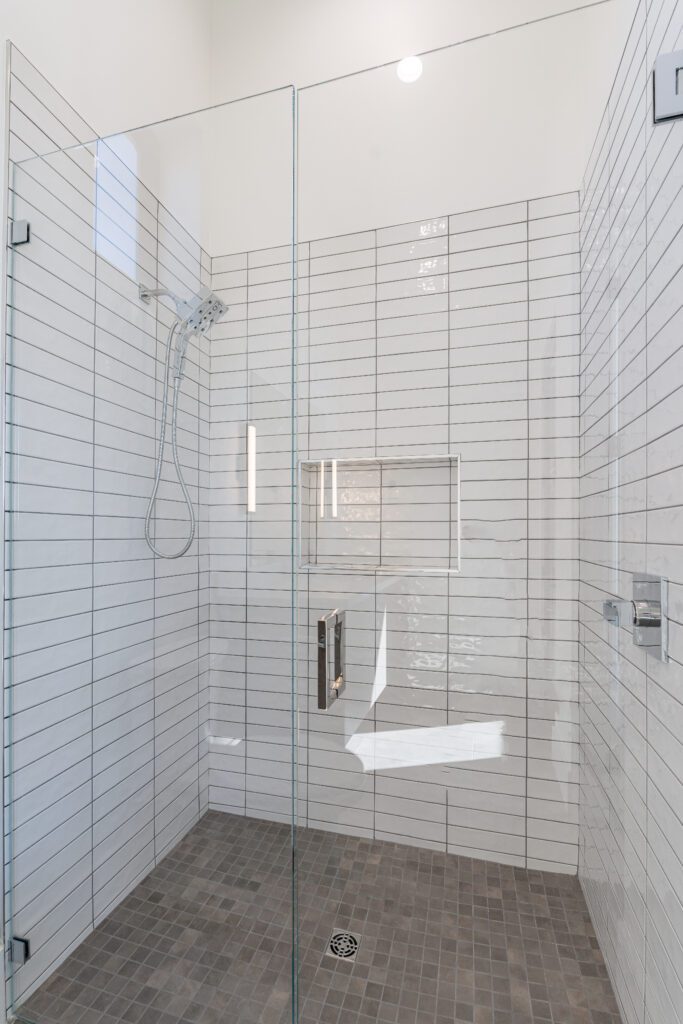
147,294
650,622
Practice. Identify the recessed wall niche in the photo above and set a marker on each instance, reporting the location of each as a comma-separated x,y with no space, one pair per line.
393,514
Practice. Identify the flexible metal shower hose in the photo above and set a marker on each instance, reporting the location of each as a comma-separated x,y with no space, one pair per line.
176,460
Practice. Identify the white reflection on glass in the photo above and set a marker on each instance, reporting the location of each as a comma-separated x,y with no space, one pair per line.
432,227
380,681
441,744
334,488
116,224
322,488
251,468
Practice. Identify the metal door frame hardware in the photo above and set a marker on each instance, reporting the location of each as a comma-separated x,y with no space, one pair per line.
18,951
20,232
667,85
331,658
650,622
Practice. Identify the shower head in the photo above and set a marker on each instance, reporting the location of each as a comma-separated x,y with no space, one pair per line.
197,314
201,312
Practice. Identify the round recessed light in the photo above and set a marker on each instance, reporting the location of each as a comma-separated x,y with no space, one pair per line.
409,69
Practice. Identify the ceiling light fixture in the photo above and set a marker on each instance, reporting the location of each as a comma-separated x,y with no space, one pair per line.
409,69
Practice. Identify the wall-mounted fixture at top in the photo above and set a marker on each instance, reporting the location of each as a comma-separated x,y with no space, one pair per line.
667,83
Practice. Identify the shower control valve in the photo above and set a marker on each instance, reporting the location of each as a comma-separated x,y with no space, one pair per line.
646,612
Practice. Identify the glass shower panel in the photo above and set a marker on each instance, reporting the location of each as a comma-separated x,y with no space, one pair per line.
149,696
439,322
48,479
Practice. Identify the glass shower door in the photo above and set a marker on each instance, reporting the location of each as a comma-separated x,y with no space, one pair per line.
437,332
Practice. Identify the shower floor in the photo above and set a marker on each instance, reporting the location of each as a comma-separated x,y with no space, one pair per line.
206,938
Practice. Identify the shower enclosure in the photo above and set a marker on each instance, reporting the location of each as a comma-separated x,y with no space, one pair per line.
304,652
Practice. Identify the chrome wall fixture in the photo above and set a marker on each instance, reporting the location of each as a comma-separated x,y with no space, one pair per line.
646,612
650,622
331,658
667,84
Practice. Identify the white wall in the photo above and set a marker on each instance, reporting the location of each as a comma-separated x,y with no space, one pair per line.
262,44
457,729
130,63
495,119
510,115
120,64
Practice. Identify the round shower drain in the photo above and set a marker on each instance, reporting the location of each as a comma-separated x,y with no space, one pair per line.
344,945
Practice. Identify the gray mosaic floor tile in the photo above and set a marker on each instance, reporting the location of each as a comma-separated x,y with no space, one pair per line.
206,938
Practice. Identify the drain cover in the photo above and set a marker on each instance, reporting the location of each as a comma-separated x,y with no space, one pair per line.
343,945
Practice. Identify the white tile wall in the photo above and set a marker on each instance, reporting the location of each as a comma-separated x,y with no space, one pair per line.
458,727
250,745
108,646
630,477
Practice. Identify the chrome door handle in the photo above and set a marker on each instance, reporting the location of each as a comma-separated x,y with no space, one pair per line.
331,660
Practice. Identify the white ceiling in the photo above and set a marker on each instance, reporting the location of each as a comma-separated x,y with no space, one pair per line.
501,118
262,44
371,152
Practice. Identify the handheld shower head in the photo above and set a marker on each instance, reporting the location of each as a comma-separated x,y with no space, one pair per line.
201,312
196,315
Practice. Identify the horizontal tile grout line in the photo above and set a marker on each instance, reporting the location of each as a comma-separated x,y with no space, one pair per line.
413,258
635,388
408,280
80,391
419,294
425,220
409,316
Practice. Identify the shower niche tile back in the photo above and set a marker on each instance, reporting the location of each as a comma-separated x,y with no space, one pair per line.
392,514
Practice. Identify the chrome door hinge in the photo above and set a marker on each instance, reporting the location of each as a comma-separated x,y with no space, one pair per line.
18,951
20,232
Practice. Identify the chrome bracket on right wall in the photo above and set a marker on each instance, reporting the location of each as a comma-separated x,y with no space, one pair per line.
647,612
667,85
650,615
